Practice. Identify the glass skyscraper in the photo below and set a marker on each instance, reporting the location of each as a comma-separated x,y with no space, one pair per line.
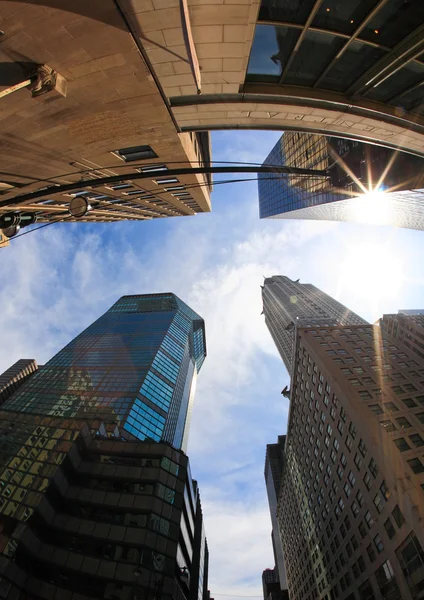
335,197
289,304
135,366
96,494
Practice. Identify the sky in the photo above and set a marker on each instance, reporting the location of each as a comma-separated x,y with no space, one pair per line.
55,282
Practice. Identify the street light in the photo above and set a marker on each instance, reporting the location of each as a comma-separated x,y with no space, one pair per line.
11,223
79,207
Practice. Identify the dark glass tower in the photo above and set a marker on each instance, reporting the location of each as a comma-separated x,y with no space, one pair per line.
135,366
289,304
96,496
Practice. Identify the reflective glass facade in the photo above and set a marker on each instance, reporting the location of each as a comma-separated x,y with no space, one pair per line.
344,47
336,197
135,367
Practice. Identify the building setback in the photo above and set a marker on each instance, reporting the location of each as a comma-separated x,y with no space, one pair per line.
351,504
335,197
96,495
15,376
287,304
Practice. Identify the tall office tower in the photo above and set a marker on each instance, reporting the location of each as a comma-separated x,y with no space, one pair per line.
288,304
335,197
351,505
135,366
407,327
15,376
271,585
96,497
272,473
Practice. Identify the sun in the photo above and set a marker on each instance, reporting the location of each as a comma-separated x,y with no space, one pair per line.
373,207
372,274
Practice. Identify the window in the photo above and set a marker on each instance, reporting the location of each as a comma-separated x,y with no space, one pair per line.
388,426
409,387
135,153
390,407
403,422
376,409
361,564
165,180
366,591
416,465
409,402
362,529
373,468
379,501
402,444
355,508
388,526
358,461
367,480
411,557
378,544
152,168
368,519
417,440
385,490
371,553
386,581
398,516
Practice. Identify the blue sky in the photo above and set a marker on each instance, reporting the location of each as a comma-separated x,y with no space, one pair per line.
57,281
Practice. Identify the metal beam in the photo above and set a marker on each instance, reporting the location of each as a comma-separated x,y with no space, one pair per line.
300,39
332,32
78,185
403,53
352,38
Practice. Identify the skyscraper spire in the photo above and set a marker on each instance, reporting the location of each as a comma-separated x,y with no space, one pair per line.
288,304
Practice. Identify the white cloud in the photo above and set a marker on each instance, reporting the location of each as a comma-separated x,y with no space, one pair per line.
57,281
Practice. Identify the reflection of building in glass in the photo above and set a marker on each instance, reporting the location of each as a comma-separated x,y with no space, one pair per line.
336,197
96,497
15,376
351,502
289,304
